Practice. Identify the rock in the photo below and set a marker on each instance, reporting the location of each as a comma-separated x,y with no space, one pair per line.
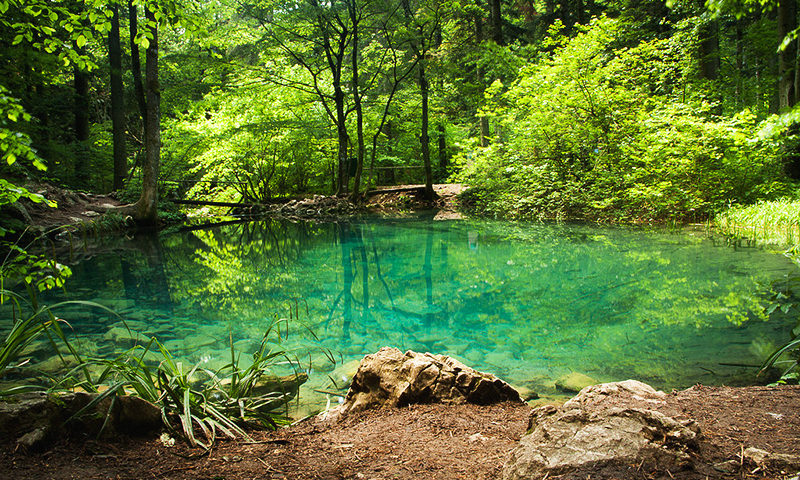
269,384
34,419
28,418
607,424
124,337
574,382
35,439
342,376
391,378
772,461
527,393
112,416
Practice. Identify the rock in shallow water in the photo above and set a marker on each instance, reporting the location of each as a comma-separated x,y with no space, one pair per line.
574,382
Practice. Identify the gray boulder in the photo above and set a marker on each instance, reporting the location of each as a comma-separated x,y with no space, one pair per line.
391,378
606,424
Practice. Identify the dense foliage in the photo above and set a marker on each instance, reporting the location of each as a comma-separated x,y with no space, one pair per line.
608,110
614,133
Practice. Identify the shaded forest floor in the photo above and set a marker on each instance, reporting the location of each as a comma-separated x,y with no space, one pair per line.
77,208
425,442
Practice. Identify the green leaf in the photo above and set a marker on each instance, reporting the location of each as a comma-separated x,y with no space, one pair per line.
80,41
18,39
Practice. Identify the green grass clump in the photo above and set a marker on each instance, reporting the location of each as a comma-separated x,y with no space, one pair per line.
769,222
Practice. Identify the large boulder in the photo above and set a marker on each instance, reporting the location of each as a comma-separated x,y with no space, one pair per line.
391,378
606,425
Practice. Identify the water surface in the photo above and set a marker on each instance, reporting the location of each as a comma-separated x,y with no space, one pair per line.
528,302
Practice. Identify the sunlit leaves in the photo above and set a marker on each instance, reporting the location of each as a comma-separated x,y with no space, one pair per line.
14,144
601,133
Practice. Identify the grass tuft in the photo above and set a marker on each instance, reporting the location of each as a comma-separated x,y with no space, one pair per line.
775,222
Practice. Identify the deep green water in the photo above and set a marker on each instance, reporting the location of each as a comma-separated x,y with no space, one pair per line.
526,301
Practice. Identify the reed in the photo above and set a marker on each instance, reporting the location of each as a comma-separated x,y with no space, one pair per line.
775,222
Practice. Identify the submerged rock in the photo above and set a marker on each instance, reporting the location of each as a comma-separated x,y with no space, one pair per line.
391,378
574,382
606,424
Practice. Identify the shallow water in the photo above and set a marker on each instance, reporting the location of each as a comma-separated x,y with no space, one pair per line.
528,302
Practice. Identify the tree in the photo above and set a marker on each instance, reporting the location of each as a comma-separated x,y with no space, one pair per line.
315,36
117,101
423,23
146,209
787,54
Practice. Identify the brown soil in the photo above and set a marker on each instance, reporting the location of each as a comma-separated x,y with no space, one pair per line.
72,210
75,208
410,197
424,442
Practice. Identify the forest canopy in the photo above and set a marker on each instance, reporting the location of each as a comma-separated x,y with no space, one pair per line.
607,110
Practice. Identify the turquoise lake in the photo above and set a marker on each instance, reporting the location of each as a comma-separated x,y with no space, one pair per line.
528,302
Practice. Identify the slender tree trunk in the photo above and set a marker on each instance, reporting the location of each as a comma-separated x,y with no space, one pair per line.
497,22
117,101
357,101
797,71
81,82
580,10
739,65
709,51
483,120
136,65
343,137
424,139
787,57
442,151
147,211
390,177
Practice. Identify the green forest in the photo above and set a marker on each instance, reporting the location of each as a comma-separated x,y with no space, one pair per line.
613,110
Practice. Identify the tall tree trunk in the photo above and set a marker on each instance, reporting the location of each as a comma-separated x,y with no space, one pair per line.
580,10
797,71
787,21
81,82
497,22
147,211
739,65
357,101
342,136
117,101
136,65
423,138
442,151
483,120
708,51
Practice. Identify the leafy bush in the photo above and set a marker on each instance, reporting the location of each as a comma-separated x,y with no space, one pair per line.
611,135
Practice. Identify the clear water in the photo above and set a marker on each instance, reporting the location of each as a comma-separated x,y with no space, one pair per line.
528,302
